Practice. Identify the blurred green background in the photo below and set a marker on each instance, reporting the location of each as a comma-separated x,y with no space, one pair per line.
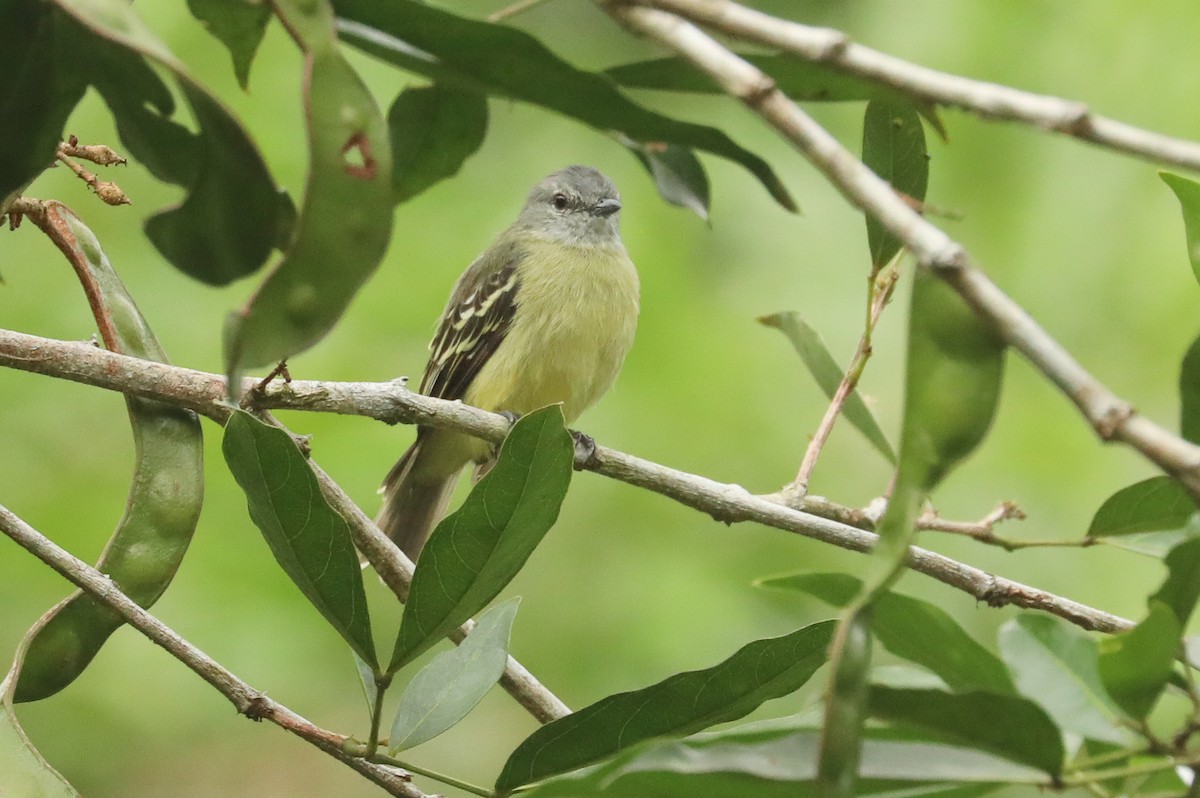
629,587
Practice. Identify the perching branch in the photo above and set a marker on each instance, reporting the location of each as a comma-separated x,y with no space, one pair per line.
1111,417
988,100
247,700
393,403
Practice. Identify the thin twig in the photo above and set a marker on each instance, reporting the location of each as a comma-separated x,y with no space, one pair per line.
988,100
248,701
519,7
880,291
393,403
1111,417
106,190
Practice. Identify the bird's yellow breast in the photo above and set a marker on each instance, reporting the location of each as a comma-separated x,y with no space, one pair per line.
576,314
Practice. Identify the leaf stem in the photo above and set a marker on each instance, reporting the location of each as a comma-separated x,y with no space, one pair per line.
384,759
382,681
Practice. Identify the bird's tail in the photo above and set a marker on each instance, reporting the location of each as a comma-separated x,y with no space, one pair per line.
412,506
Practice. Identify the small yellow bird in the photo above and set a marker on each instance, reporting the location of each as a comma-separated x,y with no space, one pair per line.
546,315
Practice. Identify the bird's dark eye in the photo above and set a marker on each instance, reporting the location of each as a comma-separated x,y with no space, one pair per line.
560,201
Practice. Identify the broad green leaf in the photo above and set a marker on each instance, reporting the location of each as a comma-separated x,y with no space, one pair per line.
954,375
450,686
165,494
1056,665
677,172
1136,665
347,214
216,233
776,759
894,148
1189,394
1016,728
433,129
677,706
825,370
477,550
1181,589
38,93
23,770
913,629
1157,504
507,62
310,541
237,24
1187,191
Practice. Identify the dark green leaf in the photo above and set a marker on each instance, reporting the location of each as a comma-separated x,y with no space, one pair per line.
1181,589
477,550
1157,504
216,234
678,174
23,770
1188,193
913,629
1189,394
776,759
237,24
310,541
894,148
828,374
450,686
678,706
1136,665
1008,726
507,62
347,215
1055,664
846,699
433,130
37,93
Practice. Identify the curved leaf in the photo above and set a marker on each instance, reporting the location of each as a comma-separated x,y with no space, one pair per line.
678,174
433,130
477,550
310,541
1187,191
894,148
677,706
1157,504
507,62
1136,665
347,215
450,686
237,24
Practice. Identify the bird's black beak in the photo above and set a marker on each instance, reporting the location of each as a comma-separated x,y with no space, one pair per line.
606,207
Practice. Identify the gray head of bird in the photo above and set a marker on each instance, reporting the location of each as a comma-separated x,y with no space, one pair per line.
577,206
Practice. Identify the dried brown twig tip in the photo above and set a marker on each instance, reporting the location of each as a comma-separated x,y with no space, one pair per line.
110,193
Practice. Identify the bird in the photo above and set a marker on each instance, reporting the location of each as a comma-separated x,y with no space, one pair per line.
545,315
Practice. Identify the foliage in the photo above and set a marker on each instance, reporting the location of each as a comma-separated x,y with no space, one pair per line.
1049,705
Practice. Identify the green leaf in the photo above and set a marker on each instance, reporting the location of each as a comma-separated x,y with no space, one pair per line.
506,62
216,234
1056,665
347,215
310,541
24,771
1015,728
776,759
1189,394
1157,504
825,370
38,92
237,24
1181,589
952,386
894,148
915,630
450,686
433,130
1136,665
677,706
366,680
1187,191
477,550
678,174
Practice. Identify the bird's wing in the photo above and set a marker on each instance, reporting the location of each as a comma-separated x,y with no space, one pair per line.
474,323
